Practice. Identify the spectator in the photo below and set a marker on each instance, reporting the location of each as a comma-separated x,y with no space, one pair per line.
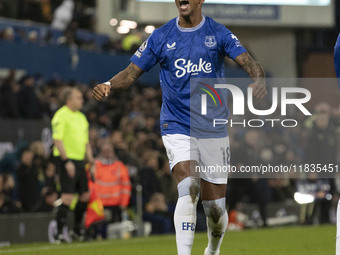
7,203
255,189
50,176
322,189
28,180
28,103
147,175
155,206
39,162
8,34
113,186
113,182
49,101
10,163
8,184
156,211
120,145
321,149
49,196
94,141
168,184
63,15
321,145
32,36
8,97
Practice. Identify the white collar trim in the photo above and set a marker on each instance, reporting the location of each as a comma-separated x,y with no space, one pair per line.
190,29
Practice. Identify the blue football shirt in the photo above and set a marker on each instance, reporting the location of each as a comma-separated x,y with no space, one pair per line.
183,54
337,59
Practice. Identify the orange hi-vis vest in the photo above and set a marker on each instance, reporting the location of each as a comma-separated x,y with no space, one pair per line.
113,182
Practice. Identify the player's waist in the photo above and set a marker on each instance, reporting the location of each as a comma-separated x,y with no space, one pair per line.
198,131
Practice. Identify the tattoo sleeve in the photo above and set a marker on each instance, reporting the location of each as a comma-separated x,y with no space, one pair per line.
252,67
127,77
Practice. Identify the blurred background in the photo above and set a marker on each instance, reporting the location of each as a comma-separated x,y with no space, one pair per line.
46,45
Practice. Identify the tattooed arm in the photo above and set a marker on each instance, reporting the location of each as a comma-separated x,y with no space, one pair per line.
255,72
122,80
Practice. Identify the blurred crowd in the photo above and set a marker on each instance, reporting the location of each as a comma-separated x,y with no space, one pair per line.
70,38
45,11
66,18
129,121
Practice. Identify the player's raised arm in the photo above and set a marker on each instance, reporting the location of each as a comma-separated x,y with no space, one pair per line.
256,73
122,80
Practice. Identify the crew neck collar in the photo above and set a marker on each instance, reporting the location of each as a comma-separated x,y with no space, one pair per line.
190,29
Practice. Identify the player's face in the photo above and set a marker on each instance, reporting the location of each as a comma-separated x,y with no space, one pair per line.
187,7
76,99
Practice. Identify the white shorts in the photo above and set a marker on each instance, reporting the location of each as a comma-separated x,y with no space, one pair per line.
211,154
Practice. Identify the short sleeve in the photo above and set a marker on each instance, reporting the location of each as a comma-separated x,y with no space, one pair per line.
232,45
146,56
58,127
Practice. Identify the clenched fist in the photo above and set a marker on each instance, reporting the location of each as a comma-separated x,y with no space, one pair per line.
100,91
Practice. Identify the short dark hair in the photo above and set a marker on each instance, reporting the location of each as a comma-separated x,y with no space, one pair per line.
65,94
